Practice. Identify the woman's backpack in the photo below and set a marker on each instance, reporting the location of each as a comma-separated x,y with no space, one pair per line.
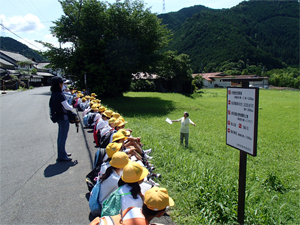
112,205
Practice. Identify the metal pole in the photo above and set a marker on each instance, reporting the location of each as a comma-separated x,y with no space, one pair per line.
242,187
242,178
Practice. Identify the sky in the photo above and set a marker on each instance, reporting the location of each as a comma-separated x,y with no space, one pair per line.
30,20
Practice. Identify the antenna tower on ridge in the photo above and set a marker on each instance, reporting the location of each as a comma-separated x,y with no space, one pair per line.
164,6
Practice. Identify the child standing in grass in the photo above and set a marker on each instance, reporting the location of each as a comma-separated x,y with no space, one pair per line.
184,130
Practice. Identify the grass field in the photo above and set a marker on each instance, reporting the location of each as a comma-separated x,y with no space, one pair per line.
203,179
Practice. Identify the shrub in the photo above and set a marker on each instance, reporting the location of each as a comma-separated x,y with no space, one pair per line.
142,86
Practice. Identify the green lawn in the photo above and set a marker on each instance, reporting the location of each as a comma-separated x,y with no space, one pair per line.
203,179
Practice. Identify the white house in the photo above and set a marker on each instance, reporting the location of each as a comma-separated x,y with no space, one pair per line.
211,80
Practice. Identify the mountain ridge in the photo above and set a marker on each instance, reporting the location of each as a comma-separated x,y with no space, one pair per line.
254,32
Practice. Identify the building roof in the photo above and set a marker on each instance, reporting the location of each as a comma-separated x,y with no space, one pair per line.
15,56
211,76
42,65
4,62
45,74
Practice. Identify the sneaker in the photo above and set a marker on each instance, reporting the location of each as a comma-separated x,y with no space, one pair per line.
152,168
148,157
148,151
157,175
153,183
64,160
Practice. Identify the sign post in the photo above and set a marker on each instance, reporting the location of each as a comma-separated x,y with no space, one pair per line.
241,130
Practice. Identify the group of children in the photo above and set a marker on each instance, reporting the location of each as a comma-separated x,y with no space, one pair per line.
124,191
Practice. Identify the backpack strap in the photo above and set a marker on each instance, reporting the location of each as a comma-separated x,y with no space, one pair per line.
123,214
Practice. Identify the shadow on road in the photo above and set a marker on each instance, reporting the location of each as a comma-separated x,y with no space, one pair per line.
58,168
44,93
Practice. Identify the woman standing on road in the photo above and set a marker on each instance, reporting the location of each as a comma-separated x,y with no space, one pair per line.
60,105
185,130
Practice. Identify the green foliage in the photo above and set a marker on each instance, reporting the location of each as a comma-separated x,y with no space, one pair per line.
34,71
254,32
289,77
110,43
142,85
203,179
197,83
173,66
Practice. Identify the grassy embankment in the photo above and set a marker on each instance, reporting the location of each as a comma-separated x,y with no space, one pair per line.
203,179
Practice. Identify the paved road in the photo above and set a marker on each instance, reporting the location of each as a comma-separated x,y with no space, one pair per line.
34,188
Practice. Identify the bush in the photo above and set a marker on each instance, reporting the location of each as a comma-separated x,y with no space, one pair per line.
142,86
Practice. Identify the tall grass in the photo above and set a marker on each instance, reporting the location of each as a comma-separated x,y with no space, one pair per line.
203,178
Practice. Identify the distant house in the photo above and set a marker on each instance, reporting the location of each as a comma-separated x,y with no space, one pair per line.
43,71
13,63
212,80
165,85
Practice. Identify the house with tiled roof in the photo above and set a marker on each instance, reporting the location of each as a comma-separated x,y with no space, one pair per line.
13,63
16,59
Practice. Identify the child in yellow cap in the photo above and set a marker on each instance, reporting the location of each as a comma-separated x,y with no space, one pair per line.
157,202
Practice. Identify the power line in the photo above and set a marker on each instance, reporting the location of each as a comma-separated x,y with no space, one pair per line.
20,37
38,12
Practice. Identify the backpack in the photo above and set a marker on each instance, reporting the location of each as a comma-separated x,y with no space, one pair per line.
91,119
85,119
94,203
90,179
98,160
76,103
112,205
104,141
52,112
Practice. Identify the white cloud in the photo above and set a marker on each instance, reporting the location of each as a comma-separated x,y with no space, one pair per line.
25,24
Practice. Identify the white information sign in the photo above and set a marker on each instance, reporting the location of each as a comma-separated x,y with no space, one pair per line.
242,115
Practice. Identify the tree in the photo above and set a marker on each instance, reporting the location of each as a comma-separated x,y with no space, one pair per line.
110,42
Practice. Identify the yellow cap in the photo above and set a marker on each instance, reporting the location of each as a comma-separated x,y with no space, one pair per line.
112,120
107,113
119,160
93,94
102,109
94,107
112,148
121,118
119,123
116,115
157,199
125,132
118,136
134,172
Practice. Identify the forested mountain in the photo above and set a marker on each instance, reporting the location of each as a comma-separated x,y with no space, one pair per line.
11,44
255,33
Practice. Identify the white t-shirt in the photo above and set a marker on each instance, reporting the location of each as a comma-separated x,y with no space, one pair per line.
101,123
108,186
185,125
103,168
127,200
105,129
